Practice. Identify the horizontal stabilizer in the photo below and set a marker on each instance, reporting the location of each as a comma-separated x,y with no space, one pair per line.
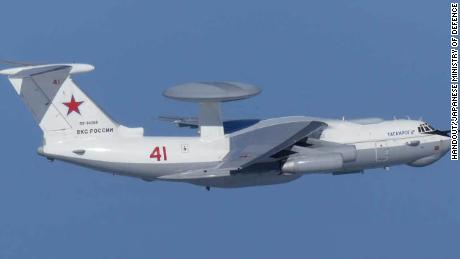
230,126
182,122
28,71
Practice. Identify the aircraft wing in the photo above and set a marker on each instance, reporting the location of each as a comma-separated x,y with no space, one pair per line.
265,139
255,144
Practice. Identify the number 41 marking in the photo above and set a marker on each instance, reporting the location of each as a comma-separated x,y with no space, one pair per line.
156,153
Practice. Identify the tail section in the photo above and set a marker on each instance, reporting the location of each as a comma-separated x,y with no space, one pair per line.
58,105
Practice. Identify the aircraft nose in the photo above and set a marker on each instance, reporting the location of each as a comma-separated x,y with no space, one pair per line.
445,145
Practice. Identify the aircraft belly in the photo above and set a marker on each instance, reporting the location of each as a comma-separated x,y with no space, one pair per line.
260,175
246,180
140,170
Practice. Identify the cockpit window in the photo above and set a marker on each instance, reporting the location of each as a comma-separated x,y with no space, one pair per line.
425,128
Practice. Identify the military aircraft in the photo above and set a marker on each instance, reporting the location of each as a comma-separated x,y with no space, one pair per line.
234,153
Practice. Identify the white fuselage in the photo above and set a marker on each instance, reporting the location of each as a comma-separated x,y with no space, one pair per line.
380,144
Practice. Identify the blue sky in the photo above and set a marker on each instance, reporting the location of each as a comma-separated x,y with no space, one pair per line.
330,59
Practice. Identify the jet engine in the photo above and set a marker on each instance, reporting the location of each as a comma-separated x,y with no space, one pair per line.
348,152
313,163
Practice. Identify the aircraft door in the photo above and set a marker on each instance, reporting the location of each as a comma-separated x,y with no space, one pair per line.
382,151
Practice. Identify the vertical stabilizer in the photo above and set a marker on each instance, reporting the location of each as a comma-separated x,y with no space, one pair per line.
57,104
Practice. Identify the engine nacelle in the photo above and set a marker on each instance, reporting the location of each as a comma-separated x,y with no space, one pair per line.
348,152
313,164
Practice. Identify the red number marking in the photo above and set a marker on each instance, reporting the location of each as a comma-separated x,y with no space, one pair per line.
165,157
156,153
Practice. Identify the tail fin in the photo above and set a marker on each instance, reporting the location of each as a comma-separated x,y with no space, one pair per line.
58,105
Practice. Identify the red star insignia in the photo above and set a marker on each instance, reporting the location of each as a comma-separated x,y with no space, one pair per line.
73,106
